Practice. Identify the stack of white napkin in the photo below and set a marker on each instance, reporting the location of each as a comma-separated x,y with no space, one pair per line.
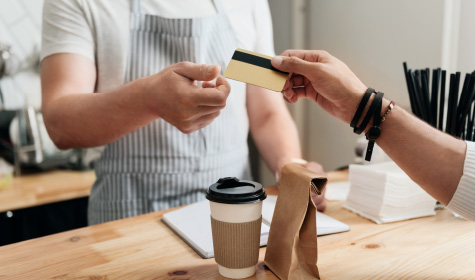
383,193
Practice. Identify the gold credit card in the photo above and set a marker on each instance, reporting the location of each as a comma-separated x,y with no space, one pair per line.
255,69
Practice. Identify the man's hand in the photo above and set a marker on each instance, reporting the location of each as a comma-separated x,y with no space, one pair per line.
78,116
318,76
174,95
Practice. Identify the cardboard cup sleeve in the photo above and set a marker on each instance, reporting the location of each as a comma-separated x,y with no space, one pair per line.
236,245
292,250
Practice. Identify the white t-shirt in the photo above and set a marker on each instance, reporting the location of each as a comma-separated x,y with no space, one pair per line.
99,29
463,201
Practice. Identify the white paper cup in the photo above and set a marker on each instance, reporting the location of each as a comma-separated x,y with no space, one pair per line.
236,221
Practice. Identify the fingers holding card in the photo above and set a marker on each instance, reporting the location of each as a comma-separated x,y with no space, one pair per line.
256,69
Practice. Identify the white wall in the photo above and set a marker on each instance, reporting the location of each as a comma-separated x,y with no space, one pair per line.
282,24
466,36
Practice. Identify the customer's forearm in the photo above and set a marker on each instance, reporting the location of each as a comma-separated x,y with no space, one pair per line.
433,159
94,119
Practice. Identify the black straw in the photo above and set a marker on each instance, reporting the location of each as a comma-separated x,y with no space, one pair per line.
435,95
427,96
442,100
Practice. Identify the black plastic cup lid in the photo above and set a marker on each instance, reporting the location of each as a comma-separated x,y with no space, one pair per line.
230,190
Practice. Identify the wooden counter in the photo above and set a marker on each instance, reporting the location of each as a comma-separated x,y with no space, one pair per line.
42,188
437,247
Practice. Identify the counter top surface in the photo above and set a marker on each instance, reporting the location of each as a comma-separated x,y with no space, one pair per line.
47,187
436,247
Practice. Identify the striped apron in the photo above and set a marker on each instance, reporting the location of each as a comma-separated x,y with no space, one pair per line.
157,166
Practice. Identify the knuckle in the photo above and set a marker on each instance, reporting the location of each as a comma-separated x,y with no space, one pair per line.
227,88
182,119
222,100
169,67
186,128
183,64
292,60
226,91
285,53
186,118
185,131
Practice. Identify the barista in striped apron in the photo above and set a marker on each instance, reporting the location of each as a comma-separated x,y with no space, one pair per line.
157,166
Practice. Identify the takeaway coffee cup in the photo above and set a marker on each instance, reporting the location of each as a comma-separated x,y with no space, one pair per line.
236,219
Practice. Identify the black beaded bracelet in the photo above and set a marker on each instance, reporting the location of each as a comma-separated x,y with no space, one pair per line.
374,131
361,107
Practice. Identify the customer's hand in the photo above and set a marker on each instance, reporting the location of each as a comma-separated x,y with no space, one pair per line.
174,95
322,78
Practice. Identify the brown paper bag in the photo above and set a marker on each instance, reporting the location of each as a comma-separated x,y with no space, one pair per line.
292,246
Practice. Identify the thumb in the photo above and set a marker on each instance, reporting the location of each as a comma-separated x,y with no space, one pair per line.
198,72
293,64
223,85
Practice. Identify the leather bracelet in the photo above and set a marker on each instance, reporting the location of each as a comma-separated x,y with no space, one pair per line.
370,113
361,107
374,131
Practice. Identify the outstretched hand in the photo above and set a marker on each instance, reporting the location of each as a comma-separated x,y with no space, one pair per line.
320,77
174,95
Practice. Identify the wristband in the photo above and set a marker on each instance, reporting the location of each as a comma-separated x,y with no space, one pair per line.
370,113
361,107
374,131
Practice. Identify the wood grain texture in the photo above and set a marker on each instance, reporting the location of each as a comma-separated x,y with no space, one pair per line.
48,187
437,247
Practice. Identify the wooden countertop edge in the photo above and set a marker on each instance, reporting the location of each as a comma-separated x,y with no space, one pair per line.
43,188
